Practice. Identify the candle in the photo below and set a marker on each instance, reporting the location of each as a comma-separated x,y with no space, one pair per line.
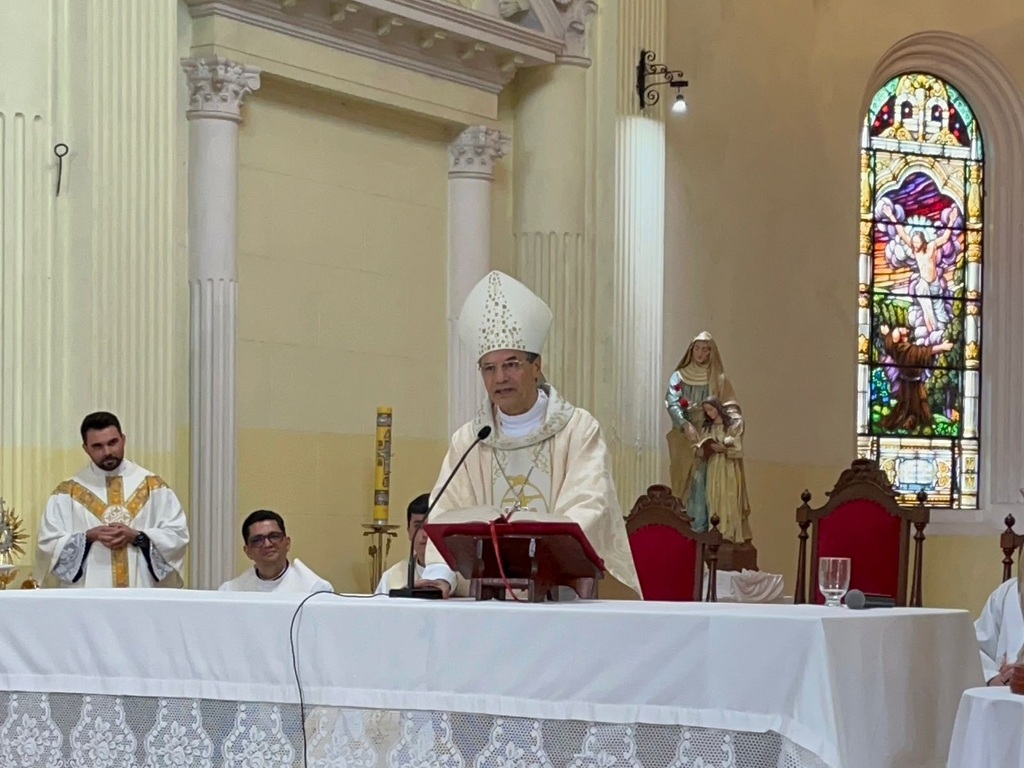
382,468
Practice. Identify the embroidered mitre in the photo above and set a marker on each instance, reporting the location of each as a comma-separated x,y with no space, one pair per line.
502,313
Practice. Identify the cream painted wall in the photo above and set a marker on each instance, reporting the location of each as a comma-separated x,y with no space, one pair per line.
502,237
93,291
342,259
762,207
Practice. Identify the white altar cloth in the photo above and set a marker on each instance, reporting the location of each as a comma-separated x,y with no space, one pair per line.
989,729
855,688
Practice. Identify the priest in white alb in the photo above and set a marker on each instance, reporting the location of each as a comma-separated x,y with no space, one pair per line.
545,459
114,524
268,544
1000,632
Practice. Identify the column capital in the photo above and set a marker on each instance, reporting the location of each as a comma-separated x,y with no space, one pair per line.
576,15
472,155
217,86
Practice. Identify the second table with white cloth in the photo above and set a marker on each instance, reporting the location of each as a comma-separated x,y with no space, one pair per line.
989,730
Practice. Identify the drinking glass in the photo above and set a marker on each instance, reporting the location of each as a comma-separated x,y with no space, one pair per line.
833,579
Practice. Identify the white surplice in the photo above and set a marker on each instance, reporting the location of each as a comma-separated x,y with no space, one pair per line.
297,577
559,471
397,576
1000,628
131,495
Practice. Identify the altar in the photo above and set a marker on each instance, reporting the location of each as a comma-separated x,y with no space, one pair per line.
153,677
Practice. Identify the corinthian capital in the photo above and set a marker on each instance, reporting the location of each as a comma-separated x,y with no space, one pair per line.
474,152
217,86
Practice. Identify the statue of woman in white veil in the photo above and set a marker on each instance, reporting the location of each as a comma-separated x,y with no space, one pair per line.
699,375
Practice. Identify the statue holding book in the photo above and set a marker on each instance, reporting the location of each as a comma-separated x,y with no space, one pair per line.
705,444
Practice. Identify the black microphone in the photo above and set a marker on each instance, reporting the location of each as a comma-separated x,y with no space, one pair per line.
433,593
857,600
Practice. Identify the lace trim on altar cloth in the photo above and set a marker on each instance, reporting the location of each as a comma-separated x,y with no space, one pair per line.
71,560
69,730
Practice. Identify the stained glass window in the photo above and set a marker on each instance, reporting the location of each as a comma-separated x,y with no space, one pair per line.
919,312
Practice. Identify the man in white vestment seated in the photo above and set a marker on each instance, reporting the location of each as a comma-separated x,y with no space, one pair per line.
114,524
267,545
544,459
435,575
1000,631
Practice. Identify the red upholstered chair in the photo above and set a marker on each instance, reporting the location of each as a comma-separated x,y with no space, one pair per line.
667,552
1009,541
863,521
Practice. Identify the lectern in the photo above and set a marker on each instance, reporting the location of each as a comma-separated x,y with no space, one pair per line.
533,557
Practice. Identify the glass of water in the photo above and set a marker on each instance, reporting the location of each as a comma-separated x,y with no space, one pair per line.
833,579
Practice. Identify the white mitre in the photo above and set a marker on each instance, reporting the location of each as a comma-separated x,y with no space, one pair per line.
502,313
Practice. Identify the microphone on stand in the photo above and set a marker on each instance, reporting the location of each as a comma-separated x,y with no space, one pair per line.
433,593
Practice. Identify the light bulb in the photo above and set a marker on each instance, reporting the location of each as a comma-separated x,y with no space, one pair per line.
679,107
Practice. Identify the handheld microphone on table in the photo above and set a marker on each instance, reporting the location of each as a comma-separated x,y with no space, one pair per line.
433,593
857,600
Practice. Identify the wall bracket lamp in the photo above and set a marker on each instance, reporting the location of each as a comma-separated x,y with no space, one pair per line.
650,75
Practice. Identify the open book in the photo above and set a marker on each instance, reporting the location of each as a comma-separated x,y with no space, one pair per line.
706,447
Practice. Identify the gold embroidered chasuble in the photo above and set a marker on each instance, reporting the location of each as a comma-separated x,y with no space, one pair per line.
130,495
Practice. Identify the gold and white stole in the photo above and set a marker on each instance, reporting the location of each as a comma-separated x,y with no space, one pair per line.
115,510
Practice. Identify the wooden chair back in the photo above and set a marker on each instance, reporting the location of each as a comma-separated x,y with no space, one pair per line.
669,555
1010,541
863,520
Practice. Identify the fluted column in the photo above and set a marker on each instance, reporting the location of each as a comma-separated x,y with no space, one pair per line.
216,89
552,255
471,159
635,433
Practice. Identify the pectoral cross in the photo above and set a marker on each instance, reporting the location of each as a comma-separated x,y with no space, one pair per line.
517,504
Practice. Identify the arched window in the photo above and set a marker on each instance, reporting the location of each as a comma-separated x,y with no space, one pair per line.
919,337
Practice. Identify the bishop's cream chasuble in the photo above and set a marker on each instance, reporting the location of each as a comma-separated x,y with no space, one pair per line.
559,472
130,495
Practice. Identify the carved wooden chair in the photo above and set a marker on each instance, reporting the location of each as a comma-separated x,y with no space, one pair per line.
669,555
1010,541
862,520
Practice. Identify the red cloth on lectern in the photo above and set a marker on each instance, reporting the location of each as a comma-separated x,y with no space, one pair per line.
665,562
867,534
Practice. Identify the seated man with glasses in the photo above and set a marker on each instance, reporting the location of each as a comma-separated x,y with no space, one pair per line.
267,545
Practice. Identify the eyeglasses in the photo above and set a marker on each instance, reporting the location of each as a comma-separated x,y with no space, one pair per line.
259,540
509,367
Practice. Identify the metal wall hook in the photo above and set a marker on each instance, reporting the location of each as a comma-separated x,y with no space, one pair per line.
60,150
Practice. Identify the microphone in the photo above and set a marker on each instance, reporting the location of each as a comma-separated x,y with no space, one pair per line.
433,593
857,600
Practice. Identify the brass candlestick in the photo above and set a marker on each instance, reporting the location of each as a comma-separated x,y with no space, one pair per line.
380,547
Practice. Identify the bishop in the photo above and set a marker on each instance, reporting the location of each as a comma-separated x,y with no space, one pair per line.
545,458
